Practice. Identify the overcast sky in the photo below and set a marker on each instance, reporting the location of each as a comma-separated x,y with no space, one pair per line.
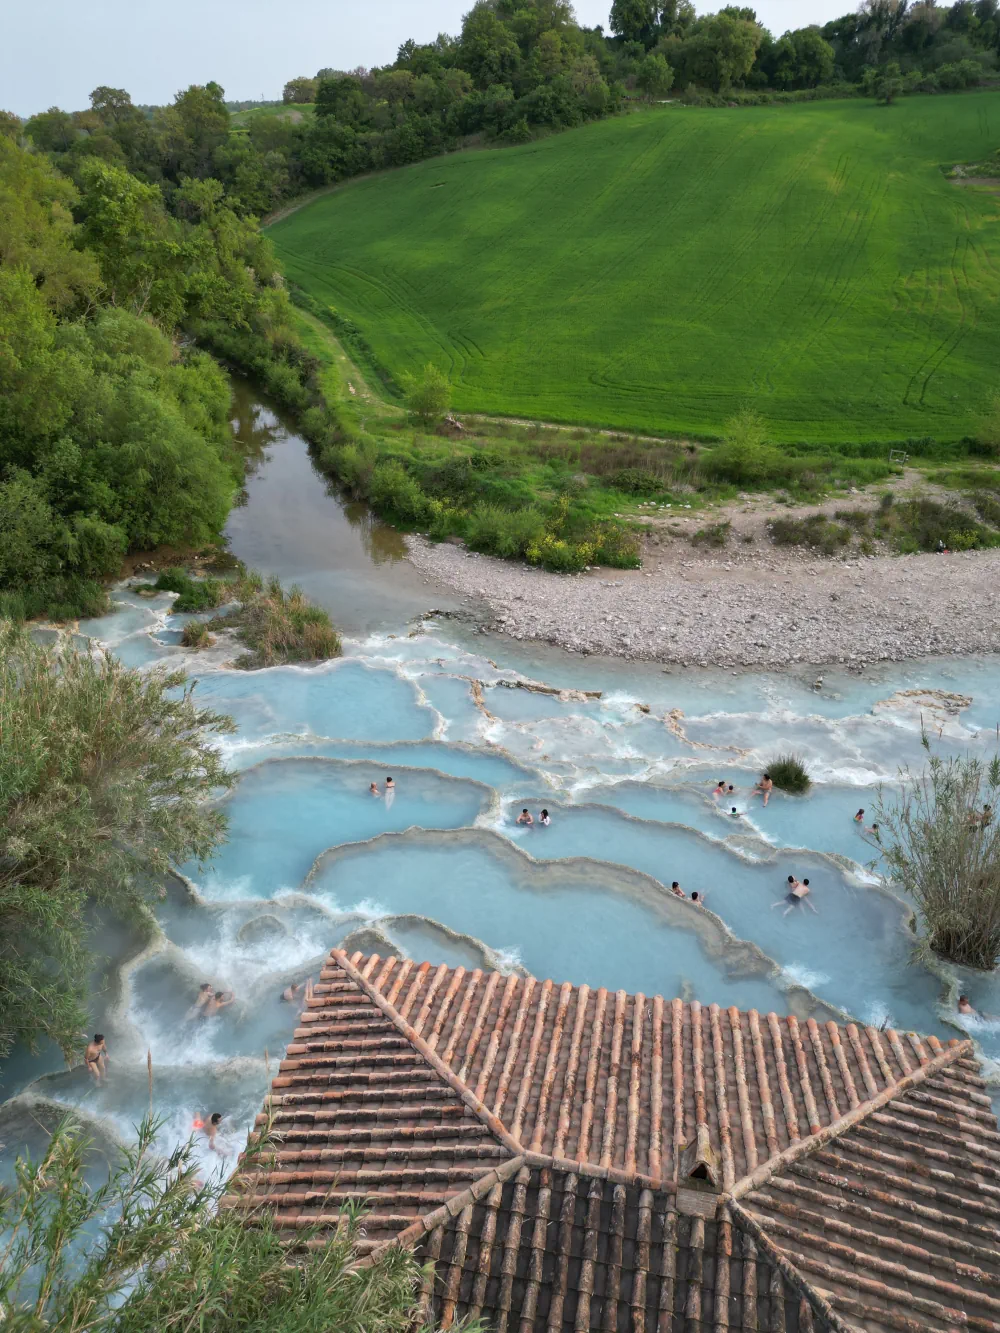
53,52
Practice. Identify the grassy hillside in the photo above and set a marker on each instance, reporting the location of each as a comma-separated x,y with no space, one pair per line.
657,271
295,114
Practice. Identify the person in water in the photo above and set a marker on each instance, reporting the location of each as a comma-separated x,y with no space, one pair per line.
373,789
965,1007
764,787
859,818
204,995
734,813
390,785
720,789
798,893
295,989
219,1001
211,1132
545,821
95,1057
525,818
872,831
676,888
698,898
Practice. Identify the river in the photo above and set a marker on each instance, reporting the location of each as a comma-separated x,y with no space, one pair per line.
441,871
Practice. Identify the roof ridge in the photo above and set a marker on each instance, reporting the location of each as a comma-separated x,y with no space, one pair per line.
498,1175
803,1147
776,1256
492,1122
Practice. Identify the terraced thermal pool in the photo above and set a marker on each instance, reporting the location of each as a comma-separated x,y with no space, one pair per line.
441,871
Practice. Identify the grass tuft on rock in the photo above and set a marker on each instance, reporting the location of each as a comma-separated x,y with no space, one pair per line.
788,773
277,626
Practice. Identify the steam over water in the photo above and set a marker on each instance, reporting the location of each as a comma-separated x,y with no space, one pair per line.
442,872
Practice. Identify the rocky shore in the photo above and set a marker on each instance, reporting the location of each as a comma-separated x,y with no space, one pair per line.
768,610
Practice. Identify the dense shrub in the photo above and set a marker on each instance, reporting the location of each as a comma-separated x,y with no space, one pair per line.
194,594
392,491
504,532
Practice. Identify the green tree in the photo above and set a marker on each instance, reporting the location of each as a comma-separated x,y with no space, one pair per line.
489,50
104,775
151,1248
722,50
138,246
885,84
52,131
37,232
939,840
634,20
300,90
429,396
744,457
654,77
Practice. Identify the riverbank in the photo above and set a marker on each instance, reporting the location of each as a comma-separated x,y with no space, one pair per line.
760,611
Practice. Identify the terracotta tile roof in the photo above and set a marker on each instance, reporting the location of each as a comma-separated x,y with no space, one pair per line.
581,1160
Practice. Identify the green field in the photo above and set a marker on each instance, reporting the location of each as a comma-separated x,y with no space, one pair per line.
657,271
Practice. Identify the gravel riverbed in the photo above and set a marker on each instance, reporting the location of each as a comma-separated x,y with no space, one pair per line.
766,610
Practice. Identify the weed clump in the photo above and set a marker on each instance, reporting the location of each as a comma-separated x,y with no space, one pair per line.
716,534
277,626
816,531
196,635
788,773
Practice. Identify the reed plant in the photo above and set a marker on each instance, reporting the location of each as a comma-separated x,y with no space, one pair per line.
939,840
150,1248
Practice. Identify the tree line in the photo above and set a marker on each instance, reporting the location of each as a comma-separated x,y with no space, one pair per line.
114,423
517,69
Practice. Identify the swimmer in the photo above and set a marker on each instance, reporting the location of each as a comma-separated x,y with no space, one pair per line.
545,820
965,1007
290,992
676,888
872,831
204,995
211,1130
373,789
720,789
220,1000
525,818
698,898
764,787
95,1057
859,818
798,893
734,813
390,785
730,789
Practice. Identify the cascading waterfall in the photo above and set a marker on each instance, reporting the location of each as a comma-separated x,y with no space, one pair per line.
472,730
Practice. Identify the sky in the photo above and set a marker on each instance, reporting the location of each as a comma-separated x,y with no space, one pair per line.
54,52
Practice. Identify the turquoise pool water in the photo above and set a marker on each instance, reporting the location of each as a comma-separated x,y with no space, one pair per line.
442,870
